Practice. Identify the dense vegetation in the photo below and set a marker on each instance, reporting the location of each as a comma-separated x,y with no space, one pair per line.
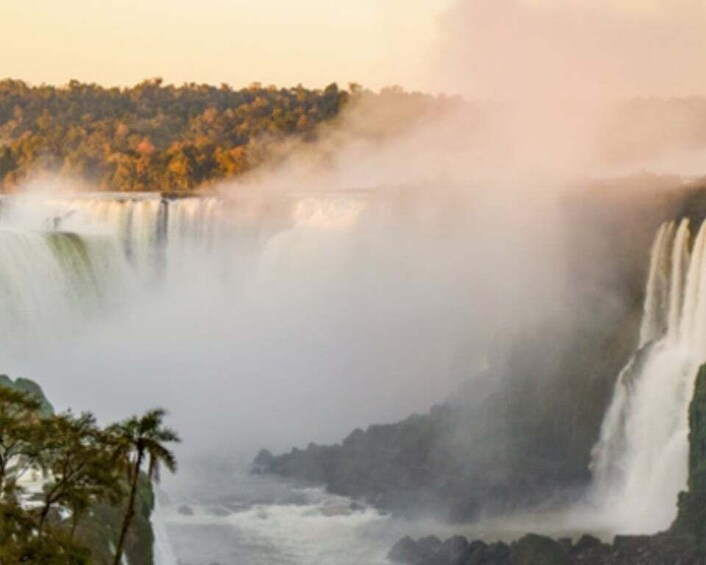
162,137
72,492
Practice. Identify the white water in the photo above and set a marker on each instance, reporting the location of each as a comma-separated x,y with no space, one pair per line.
163,551
51,283
252,333
67,262
232,518
321,311
640,462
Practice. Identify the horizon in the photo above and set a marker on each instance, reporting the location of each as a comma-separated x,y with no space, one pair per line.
116,43
608,48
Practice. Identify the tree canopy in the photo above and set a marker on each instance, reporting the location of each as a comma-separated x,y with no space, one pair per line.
64,495
154,136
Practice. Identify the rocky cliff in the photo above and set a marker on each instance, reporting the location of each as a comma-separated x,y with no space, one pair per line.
684,543
520,433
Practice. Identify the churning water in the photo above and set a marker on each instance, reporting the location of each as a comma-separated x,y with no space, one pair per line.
255,324
272,324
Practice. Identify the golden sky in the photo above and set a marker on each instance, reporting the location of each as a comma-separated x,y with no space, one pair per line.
285,42
477,47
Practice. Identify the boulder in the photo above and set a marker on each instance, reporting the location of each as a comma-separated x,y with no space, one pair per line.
587,543
533,549
455,550
262,463
406,551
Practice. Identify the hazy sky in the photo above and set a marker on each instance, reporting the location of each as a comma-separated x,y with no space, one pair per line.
477,47
375,42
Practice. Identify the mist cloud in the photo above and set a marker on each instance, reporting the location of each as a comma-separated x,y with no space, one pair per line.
519,49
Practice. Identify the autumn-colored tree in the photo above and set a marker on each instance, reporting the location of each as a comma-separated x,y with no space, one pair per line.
163,137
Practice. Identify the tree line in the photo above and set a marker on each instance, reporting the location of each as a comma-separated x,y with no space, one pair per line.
161,137
69,488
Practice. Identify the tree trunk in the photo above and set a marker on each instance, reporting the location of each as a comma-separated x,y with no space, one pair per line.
43,518
130,511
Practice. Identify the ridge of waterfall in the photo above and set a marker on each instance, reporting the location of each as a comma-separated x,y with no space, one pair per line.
148,227
50,282
63,260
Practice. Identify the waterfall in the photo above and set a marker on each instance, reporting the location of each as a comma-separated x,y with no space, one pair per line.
163,552
65,260
150,229
640,461
50,282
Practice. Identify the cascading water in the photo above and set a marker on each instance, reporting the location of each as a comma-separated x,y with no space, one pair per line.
341,309
63,261
640,461
146,225
51,281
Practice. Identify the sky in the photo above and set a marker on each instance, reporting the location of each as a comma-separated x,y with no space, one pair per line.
574,49
283,42
483,48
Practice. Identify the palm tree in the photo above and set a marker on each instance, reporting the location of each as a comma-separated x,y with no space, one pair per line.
137,440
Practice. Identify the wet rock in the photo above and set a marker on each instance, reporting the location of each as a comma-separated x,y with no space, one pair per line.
185,510
683,544
476,553
431,545
405,551
566,544
630,545
219,511
262,463
496,554
533,549
587,543
455,550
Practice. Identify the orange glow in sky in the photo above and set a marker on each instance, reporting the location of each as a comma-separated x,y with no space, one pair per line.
475,47
285,42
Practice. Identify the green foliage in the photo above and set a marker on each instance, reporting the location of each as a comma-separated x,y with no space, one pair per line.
163,137
141,440
31,388
72,509
152,136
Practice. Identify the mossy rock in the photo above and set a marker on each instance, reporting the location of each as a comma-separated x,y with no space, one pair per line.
29,387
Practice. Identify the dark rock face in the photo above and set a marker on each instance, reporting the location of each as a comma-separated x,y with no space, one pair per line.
455,550
683,544
28,387
405,551
424,464
522,433
690,524
185,510
262,462
533,549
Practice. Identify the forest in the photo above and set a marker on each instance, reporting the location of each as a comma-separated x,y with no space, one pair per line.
162,137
